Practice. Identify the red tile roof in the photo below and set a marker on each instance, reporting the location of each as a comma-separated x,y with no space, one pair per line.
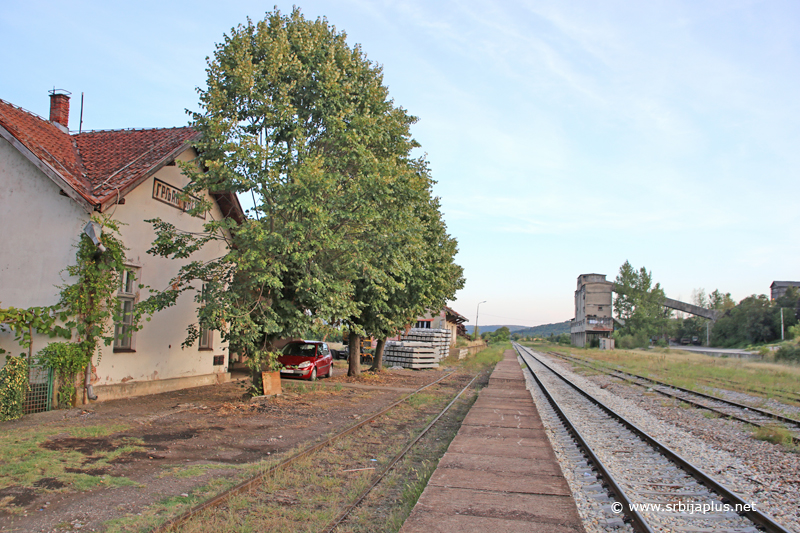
48,143
98,165
118,160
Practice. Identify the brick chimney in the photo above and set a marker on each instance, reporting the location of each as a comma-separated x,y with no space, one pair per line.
59,108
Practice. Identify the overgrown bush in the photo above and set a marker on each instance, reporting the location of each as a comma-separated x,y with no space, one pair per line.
788,352
66,359
564,338
13,386
755,320
628,342
625,342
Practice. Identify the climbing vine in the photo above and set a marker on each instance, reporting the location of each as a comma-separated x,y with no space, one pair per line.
24,322
66,359
13,386
89,306
87,309
14,373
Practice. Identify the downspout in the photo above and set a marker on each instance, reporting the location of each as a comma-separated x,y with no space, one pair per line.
88,382
93,231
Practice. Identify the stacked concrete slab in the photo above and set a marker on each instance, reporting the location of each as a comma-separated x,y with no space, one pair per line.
411,354
436,338
419,348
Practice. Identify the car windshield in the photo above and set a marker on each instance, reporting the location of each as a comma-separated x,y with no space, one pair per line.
307,350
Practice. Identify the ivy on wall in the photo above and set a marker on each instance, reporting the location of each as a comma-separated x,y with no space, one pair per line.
87,310
13,386
89,306
66,359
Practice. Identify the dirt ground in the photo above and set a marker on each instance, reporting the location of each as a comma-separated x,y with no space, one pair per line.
173,432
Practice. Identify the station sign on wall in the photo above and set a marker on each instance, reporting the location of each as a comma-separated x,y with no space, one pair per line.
164,192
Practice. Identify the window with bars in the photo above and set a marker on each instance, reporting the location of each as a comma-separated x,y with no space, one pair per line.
126,296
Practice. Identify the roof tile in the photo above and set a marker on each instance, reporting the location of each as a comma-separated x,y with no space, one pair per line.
97,164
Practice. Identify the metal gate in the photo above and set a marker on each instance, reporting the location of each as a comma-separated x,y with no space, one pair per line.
40,390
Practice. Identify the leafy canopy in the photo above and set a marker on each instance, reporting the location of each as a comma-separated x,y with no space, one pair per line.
638,302
301,123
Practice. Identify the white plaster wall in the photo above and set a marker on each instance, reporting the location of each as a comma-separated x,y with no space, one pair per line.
38,231
158,354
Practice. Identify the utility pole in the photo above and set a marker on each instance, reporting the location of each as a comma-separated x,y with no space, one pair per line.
475,333
782,338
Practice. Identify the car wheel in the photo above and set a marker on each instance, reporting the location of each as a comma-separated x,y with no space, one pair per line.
313,376
330,370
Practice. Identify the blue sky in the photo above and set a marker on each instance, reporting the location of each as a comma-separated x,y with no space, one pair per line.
566,137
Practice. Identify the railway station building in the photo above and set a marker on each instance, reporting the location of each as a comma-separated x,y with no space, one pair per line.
51,182
593,301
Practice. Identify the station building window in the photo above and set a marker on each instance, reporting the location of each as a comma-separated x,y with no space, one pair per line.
126,296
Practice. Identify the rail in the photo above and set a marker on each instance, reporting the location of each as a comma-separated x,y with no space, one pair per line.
754,515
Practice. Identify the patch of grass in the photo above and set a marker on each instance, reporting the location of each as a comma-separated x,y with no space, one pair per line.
301,388
585,370
710,414
94,432
414,488
421,399
485,358
172,506
697,371
193,470
23,460
775,434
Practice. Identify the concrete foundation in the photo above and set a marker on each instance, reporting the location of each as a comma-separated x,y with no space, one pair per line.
142,388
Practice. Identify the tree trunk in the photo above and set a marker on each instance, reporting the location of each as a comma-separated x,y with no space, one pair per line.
354,368
377,361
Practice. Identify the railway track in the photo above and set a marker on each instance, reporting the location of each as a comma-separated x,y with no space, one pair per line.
747,414
652,486
785,395
254,482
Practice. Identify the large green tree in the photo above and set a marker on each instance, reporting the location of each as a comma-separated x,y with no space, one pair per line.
755,320
428,278
638,302
302,124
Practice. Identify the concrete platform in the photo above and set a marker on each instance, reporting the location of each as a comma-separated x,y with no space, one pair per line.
500,472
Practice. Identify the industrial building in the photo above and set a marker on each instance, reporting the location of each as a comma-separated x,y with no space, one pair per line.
592,310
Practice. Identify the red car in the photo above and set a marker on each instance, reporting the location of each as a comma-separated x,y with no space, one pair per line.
306,360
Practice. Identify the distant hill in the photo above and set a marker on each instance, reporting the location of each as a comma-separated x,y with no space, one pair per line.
536,331
545,330
489,329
